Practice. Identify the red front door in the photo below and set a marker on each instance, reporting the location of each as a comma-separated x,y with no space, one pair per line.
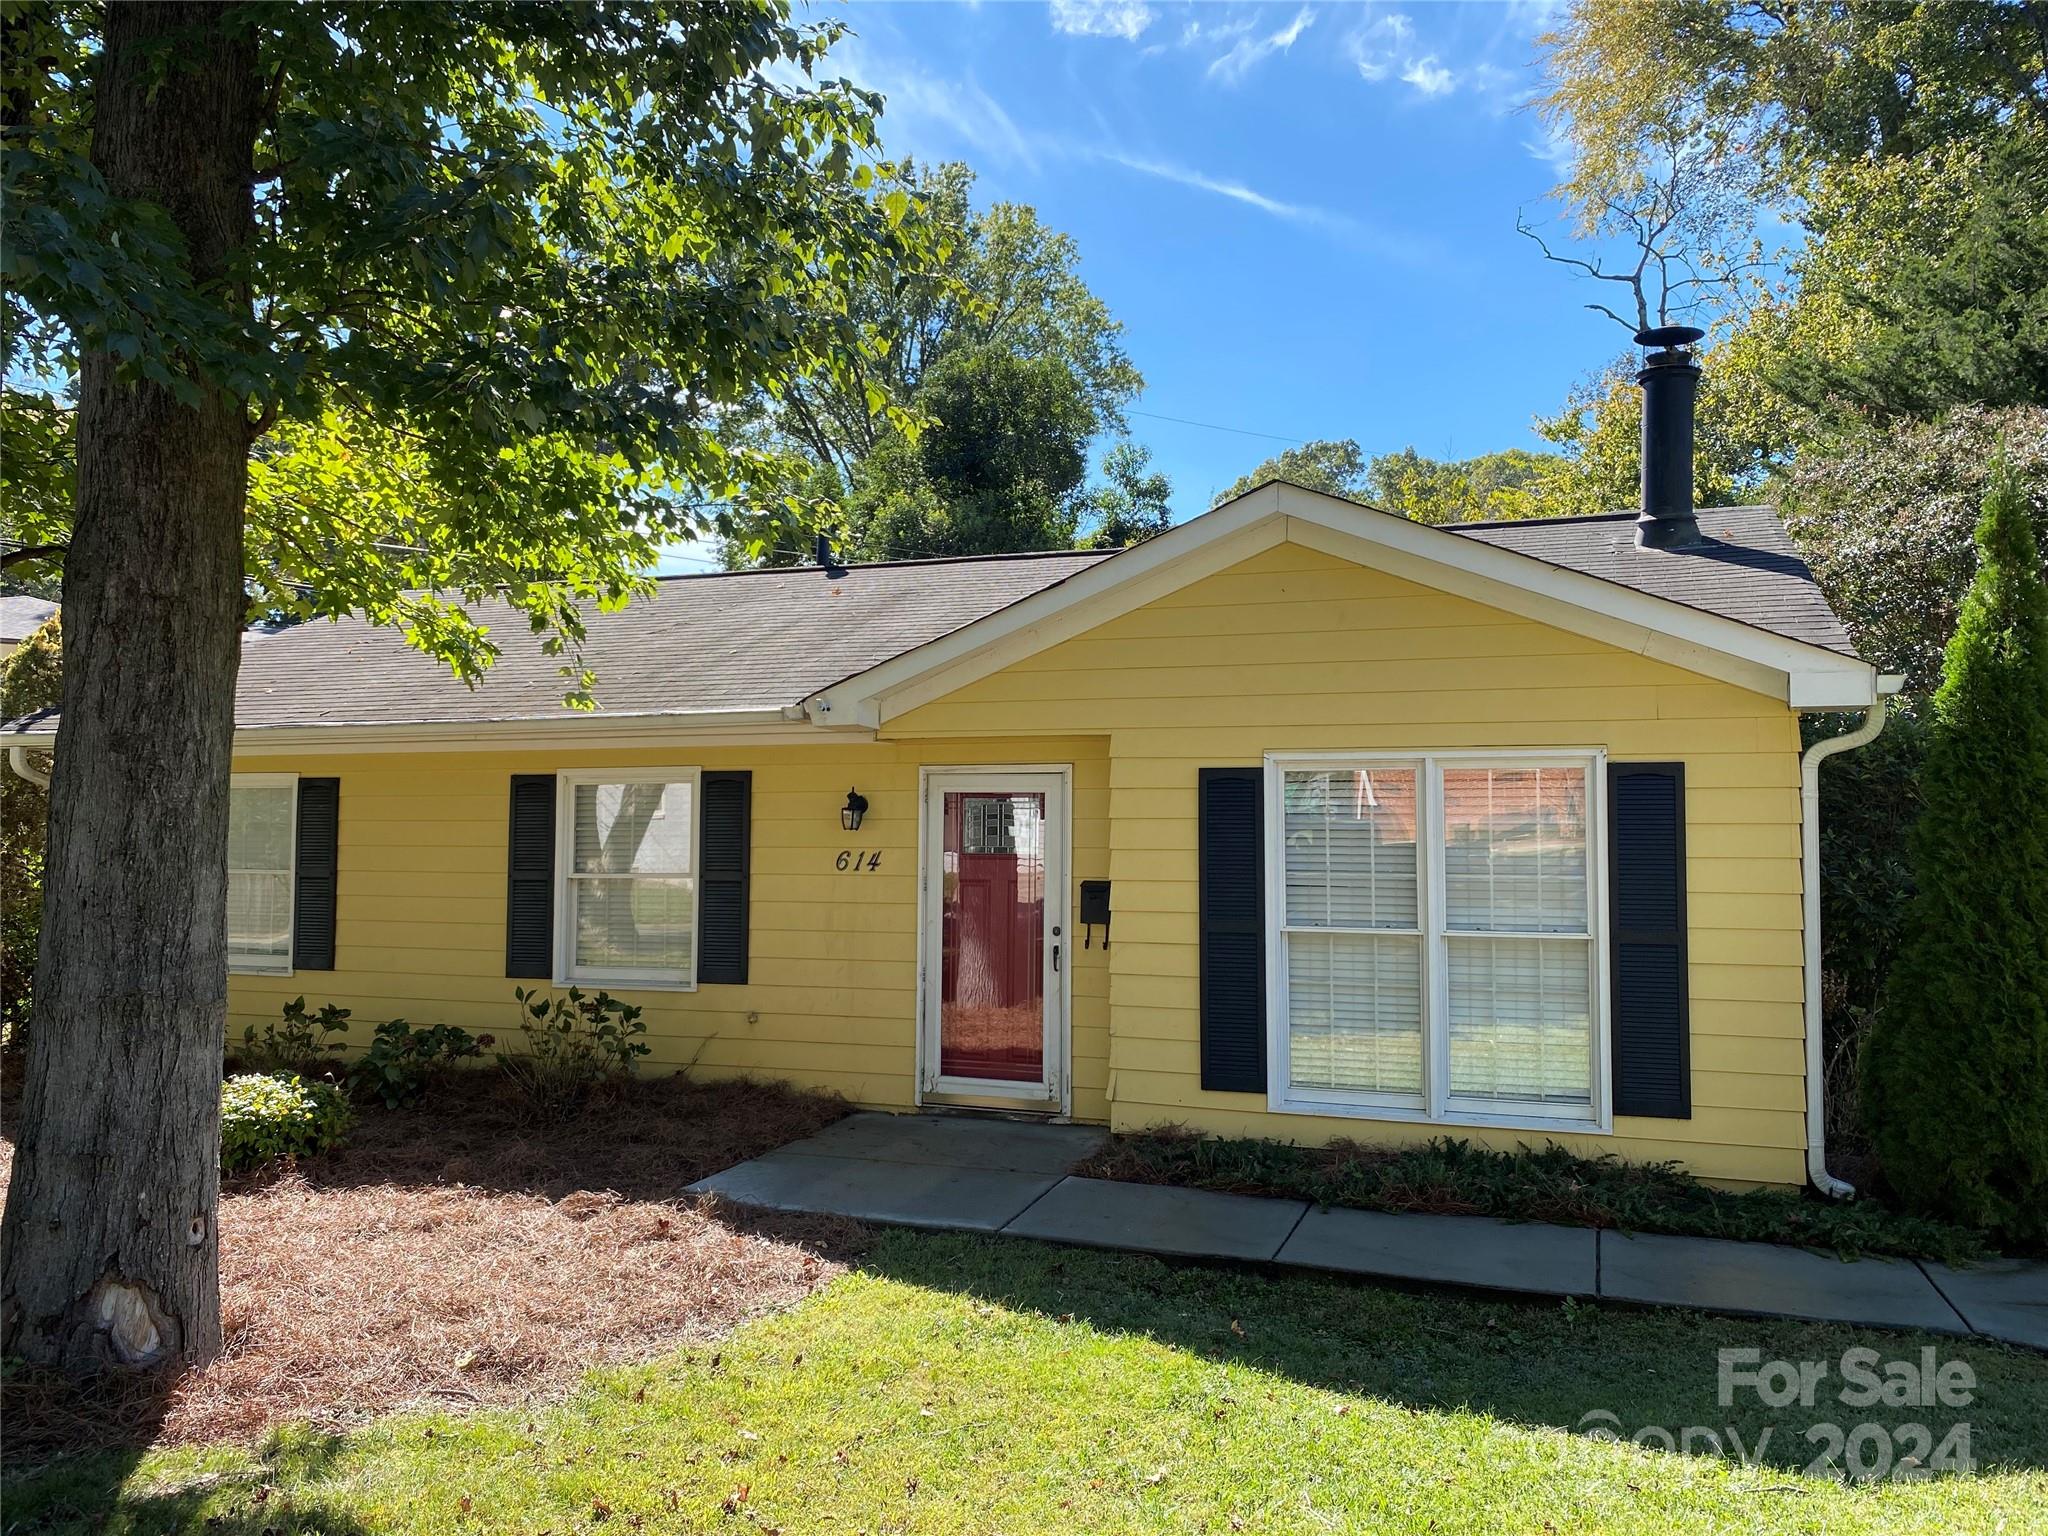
992,966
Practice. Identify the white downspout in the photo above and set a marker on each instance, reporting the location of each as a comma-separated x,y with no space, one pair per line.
17,759
1809,881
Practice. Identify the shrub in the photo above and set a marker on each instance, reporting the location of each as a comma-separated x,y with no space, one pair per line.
402,1061
1449,1176
296,1043
1956,1066
573,1044
278,1117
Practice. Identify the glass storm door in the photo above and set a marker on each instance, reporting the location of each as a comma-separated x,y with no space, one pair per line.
994,963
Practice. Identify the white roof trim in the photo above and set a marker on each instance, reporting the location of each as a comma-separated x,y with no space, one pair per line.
1800,675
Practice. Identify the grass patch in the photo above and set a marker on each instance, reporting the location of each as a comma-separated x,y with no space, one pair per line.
958,1384
1449,1176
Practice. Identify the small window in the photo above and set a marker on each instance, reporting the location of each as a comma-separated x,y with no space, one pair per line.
1437,957
627,860
262,843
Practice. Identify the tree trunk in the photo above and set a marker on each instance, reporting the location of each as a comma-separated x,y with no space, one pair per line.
110,1254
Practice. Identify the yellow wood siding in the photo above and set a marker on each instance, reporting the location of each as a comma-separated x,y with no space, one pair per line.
1296,650
831,999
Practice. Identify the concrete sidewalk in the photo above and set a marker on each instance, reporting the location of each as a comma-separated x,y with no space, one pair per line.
984,1175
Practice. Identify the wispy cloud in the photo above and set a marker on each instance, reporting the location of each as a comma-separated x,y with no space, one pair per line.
1236,191
1376,48
920,102
1428,76
1127,19
1234,65
1389,47
1395,246
1553,147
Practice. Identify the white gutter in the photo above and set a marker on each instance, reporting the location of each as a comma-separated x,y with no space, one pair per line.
1809,881
17,759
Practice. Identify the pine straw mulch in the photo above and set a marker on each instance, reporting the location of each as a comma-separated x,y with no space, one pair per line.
466,1253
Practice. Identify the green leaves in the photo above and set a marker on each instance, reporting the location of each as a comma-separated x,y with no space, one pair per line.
1955,1072
513,270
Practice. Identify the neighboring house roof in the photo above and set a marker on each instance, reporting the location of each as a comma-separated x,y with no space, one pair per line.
21,617
797,648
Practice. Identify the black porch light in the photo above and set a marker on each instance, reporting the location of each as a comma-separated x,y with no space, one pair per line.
856,807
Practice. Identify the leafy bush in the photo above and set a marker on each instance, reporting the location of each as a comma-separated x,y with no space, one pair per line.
403,1061
1886,515
1956,1067
296,1043
31,678
278,1117
1452,1177
573,1044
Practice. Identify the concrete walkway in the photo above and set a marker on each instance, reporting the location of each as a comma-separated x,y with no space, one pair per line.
982,1175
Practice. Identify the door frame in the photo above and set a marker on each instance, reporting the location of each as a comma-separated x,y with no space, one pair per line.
1056,782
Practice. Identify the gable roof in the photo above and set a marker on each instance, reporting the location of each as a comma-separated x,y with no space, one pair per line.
787,651
1741,607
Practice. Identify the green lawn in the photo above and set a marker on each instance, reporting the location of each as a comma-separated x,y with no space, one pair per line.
973,1385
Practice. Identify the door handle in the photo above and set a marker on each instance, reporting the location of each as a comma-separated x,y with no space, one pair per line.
1055,959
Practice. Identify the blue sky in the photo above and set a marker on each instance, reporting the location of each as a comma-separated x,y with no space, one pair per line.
1304,215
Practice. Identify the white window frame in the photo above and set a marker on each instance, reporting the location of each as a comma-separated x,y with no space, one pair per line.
1434,1105
244,964
639,979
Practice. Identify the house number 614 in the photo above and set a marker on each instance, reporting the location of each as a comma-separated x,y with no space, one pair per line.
851,859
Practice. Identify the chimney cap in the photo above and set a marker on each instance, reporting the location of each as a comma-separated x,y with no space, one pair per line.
1669,336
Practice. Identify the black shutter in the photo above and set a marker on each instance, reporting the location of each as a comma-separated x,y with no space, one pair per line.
530,878
313,887
1231,864
722,910
1646,919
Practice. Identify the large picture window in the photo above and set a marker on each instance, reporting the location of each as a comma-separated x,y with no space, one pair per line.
626,852
262,844
1433,928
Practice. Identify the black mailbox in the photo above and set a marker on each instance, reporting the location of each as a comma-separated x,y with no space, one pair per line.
1095,909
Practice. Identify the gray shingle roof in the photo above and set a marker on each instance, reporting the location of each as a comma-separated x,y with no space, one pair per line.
762,640
21,617
1747,569
724,641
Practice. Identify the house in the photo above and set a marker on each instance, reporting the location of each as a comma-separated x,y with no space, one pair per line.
21,617
1300,820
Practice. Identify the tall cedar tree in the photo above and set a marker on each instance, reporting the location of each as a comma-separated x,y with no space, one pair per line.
530,256
1956,1071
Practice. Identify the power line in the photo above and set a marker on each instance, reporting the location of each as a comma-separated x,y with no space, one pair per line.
1212,426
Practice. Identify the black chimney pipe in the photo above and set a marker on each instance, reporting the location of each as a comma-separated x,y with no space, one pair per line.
1670,378
826,559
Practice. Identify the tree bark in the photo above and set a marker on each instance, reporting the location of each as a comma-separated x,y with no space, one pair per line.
110,1254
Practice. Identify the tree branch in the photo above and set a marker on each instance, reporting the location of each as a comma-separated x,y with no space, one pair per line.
28,552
